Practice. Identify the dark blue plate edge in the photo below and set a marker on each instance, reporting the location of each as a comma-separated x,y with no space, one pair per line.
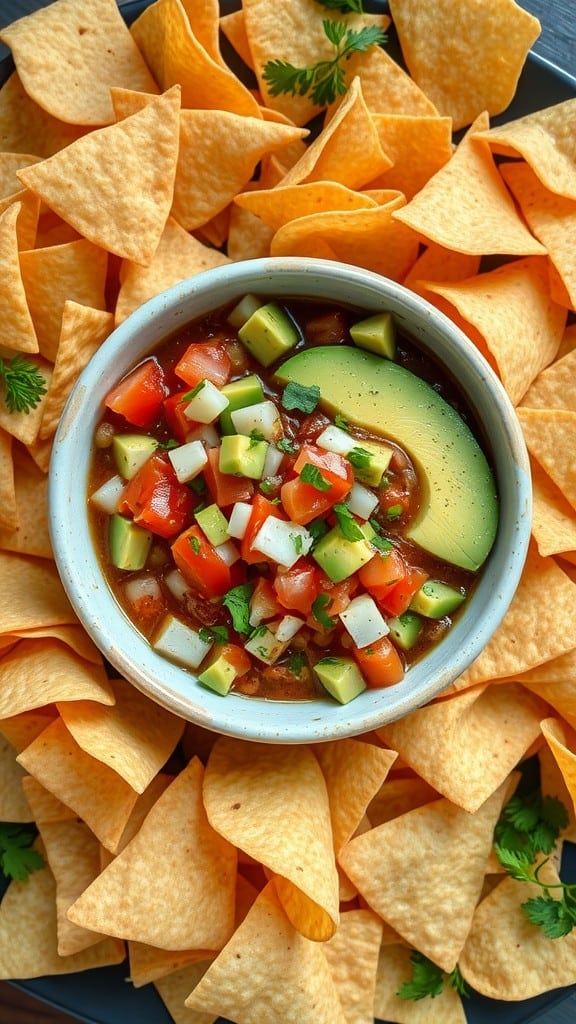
118,999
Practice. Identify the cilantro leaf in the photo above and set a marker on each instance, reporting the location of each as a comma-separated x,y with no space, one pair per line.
237,601
555,917
298,396
517,863
214,634
319,612
345,6
24,385
310,474
317,529
348,525
17,857
341,423
427,979
359,458
456,981
296,663
287,446
195,391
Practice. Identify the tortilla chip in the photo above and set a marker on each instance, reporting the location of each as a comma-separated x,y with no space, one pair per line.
203,18
455,67
45,806
31,594
26,128
505,956
53,673
511,309
248,236
74,636
141,150
547,141
386,866
553,521
149,964
269,971
272,803
561,739
73,854
417,146
30,536
13,803
347,150
398,796
174,988
553,388
75,271
465,747
352,955
354,772
465,206
551,436
178,256
277,206
28,215
8,508
175,55
134,736
233,27
17,324
191,904
394,969
9,164
544,594
387,88
439,264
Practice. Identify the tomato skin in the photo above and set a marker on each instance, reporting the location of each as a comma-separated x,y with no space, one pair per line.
398,599
140,395
206,360
156,499
235,655
200,563
379,663
304,502
298,587
261,509
382,573
225,488
178,423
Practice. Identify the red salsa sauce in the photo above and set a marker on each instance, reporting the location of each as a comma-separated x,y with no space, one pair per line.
251,536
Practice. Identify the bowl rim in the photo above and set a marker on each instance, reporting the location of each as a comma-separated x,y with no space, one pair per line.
176,688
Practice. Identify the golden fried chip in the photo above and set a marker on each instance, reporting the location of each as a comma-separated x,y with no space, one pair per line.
387,88
272,803
511,309
248,236
82,331
24,426
553,388
467,746
9,164
505,956
28,934
542,615
53,673
30,536
73,270
149,964
417,146
455,67
203,18
439,264
354,772
8,508
31,595
99,53
73,855
13,803
45,806
394,968
122,177
233,27
347,150
17,324
179,255
28,216
561,739
191,904
553,520
134,736
547,141
21,729
386,866
465,206
551,436
398,796
26,128
352,955
175,55
269,971
276,206
174,988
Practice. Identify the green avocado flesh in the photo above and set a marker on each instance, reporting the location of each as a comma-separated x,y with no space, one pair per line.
458,515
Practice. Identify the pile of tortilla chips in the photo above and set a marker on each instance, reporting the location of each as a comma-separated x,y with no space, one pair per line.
278,884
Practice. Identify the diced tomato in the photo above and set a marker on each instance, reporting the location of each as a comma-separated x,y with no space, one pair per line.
200,563
156,499
139,396
179,424
302,501
206,360
225,488
235,655
340,595
397,601
298,587
264,603
380,663
383,572
261,509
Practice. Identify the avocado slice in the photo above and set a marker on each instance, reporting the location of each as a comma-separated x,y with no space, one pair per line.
131,451
435,599
242,456
129,543
341,677
341,558
376,334
213,524
458,516
405,629
269,333
218,676
240,393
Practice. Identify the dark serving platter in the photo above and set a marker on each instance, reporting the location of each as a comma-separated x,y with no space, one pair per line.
103,996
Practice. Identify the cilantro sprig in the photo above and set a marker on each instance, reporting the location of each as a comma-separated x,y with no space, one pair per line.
237,601
524,839
24,385
428,979
345,6
325,80
310,474
18,859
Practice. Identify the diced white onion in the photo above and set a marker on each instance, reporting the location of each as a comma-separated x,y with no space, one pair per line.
364,621
207,405
334,439
176,584
188,460
239,518
262,417
265,646
228,552
288,627
142,587
178,642
283,542
361,501
107,496
272,461
243,310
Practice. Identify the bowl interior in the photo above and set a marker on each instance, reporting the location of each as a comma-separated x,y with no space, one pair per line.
109,627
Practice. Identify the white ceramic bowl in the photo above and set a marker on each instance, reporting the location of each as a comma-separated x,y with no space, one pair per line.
175,688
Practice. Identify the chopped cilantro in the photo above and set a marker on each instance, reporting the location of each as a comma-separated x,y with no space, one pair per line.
341,423
428,979
195,391
255,437
300,397
394,512
287,446
216,634
17,857
319,612
310,474
296,663
359,458
198,485
298,542
348,525
237,601
195,544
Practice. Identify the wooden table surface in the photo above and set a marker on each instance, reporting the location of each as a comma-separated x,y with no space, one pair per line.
557,44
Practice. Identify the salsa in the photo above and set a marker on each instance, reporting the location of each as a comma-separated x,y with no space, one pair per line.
255,535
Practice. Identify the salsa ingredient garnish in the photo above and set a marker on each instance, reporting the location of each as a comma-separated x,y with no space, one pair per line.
325,80
428,979
18,859
24,385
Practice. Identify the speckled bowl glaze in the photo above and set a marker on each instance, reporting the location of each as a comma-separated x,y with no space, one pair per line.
175,688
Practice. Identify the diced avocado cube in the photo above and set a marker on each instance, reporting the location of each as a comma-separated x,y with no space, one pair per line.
129,543
131,451
435,599
341,677
218,676
243,310
370,470
214,524
339,557
240,393
376,334
242,456
405,629
269,333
